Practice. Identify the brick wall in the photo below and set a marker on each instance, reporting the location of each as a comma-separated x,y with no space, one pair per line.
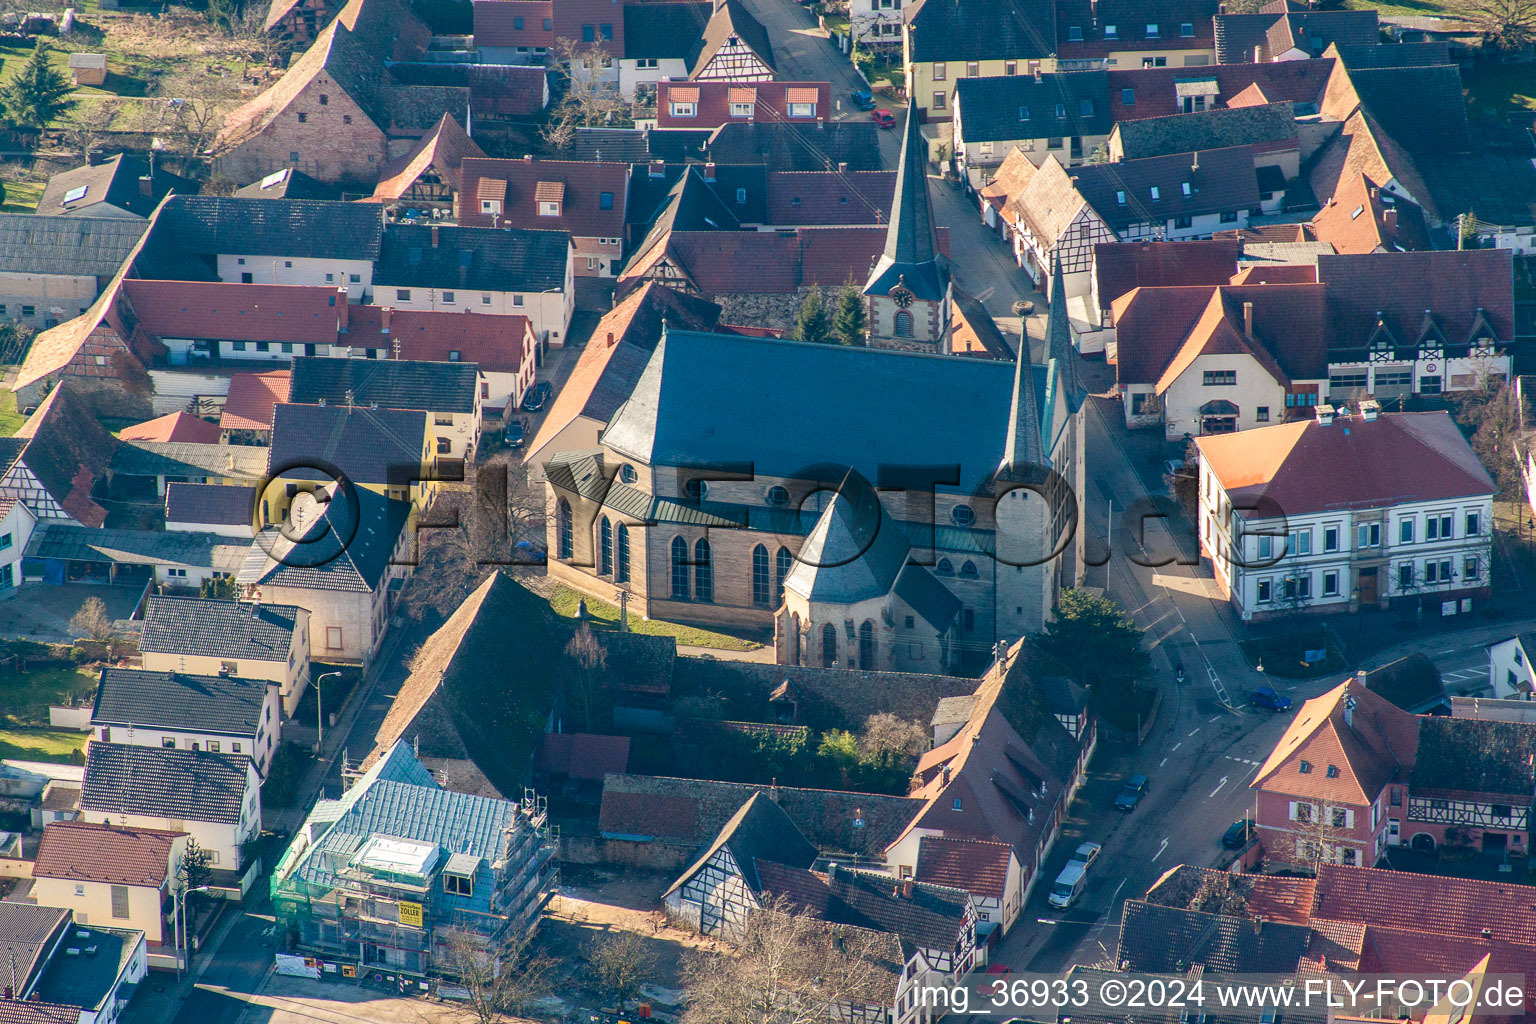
625,852
336,141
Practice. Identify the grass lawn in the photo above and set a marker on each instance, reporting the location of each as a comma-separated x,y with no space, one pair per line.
1501,87
42,744
24,697
1409,8
606,616
21,197
10,419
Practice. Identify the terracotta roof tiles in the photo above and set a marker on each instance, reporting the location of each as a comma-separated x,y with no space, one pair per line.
176,426
104,853
976,865
251,398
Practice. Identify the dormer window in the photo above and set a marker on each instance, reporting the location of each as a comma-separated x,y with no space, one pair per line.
1120,198
1085,108
454,355
1061,110
1155,193
1305,767
459,885
1023,113
1151,30
1187,30
1111,32
1187,190
550,195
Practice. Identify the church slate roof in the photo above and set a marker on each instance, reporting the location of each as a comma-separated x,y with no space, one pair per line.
911,255
854,553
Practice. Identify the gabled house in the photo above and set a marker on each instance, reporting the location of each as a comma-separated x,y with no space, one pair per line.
722,886
248,407
1136,93
175,426
448,392
213,797
53,463
1360,218
585,200
427,177
1282,31
1130,34
1509,667
734,47
176,710
53,268
299,21
113,875
710,103
986,869
251,641
17,522
1121,267
658,41
944,41
1066,115
387,451
1270,128
344,561
1286,531
505,349
121,187
228,510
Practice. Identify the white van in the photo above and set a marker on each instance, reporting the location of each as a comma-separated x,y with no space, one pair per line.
1068,885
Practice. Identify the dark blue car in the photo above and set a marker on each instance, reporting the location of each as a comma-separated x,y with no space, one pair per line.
863,100
1266,697
1131,793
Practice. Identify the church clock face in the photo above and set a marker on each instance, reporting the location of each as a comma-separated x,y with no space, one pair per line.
901,297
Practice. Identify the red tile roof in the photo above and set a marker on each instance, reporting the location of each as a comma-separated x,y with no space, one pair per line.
442,150
1150,325
769,99
581,212
1452,285
1121,266
104,853
496,23
1299,81
1396,458
252,396
975,865
1356,220
234,312
582,756
647,814
1276,273
497,343
830,197
176,426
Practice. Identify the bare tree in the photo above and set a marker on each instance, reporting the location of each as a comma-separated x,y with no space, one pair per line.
1318,832
791,968
502,978
88,125
588,100
621,962
194,105
885,733
92,620
589,664
1507,25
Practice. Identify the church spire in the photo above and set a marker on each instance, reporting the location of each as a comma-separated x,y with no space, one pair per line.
1058,339
911,240
1024,446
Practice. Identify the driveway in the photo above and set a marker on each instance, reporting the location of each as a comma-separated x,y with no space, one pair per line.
41,611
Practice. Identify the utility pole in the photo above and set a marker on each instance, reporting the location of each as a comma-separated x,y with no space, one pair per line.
623,611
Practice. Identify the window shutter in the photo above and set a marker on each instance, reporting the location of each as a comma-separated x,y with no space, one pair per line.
1293,810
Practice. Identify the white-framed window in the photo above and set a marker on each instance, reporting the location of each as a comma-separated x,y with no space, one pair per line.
1470,570
333,638
802,110
1330,538
1265,590
1405,531
685,109
490,206
1330,584
1368,535
1300,543
741,110
549,208
1438,526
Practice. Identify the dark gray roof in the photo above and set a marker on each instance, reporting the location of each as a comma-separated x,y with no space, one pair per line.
112,183
134,547
192,459
389,383
347,549
93,246
911,254
1421,108
926,596
222,705
649,192
928,916
662,31
783,147
855,406
475,259
630,145
952,30
1225,180
729,21
1007,107
852,554
288,183
690,205
1394,55
368,446
205,225
1156,938
760,830
25,930
218,629
1207,129
163,782
1412,683
1059,347
210,504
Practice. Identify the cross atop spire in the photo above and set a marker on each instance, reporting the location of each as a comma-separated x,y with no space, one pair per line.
911,240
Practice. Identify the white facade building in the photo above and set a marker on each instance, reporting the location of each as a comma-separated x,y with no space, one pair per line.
1509,667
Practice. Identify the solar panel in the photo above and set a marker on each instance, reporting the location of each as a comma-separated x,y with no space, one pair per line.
274,178
76,193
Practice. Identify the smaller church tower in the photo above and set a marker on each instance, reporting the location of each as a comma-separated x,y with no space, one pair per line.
909,289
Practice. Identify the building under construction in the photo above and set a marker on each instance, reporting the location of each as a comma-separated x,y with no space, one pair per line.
383,878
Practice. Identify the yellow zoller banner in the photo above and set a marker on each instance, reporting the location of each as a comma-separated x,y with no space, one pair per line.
410,913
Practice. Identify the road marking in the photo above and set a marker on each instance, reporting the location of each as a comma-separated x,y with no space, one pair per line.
1194,730
1192,638
1046,920
1162,762
1219,785
1160,850
1444,653
1216,719
1243,760
1176,746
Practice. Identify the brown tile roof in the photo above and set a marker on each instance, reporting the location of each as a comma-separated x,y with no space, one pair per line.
582,755
1451,286
1119,267
12,1012
1150,325
1397,899
105,853
1356,220
648,814
68,451
251,399
1296,81
495,343
581,211
442,150
235,312
830,197
1012,175
176,426
770,102
1218,332
1275,273
973,332
1397,457
976,865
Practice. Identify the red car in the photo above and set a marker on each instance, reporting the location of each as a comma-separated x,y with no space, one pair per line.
883,118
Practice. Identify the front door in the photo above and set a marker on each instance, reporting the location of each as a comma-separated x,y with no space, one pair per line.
1368,586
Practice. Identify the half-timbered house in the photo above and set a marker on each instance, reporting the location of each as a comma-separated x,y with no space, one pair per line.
56,459
722,886
427,178
734,48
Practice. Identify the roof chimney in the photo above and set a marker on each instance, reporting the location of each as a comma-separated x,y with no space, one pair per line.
1389,220
527,158
1325,415
342,312
1258,54
709,171
1248,320
146,185
386,310
1093,12
842,167
610,339
658,168
1037,74
906,889
1369,410
434,236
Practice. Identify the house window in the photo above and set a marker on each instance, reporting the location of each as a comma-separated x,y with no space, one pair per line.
549,208
1301,543
684,109
703,572
1074,33
444,446
517,23
1405,575
1470,568
1154,62
1151,30
783,561
235,747
1219,378
1228,217
1054,143
459,885
120,902
28,310
1265,590
213,746
588,34
563,527
355,278
333,638
549,24
972,69
1306,769
303,117
1330,584
1010,67
1180,223
293,156
1330,538
802,110
1368,535
939,71
1474,524
454,355
939,99
1405,531
490,206
1187,30
346,118
1437,527
447,298
1111,31
402,295
621,569
1128,97
168,742
1261,414
485,300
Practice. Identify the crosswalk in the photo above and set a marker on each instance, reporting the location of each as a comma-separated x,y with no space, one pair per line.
1476,673
1243,760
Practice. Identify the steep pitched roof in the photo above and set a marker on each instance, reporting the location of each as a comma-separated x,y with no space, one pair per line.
90,852
1008,107
1274,33
174,700
288,183
583,212
781,147
388,383
1153,92
760,830
1178,185
222,629
1464,291
347,548
851,554
1360,219
175,426
114,182
1158,938
208,225
234,312
1341,748
78,244
925,914
667,31
252,398
441,150
976,865
1219,331
945,30
1411,683
369,446
729,22
496,344
164,782
829,197
68,451
911,253
1266,127
1119,267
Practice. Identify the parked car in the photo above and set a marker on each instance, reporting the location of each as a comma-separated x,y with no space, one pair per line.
513,436
1069,885
1176,467
537,395
1085,854
883,118
1266,697
863,100
1131,793
1238,833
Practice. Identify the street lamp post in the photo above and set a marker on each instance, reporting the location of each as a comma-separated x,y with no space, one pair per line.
320,707
179,924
